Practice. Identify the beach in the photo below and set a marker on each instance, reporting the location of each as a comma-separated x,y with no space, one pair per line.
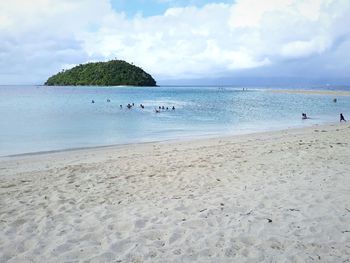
280,196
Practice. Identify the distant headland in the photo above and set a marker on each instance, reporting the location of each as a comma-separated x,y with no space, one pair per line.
111,73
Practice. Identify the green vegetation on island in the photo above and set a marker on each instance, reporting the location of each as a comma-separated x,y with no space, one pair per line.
111,73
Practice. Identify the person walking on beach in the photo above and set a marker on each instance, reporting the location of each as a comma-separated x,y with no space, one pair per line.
342,117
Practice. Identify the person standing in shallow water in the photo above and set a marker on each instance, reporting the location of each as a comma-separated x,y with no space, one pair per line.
342,117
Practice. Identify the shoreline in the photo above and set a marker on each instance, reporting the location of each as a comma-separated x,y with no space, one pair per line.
174,140
89,153
271,196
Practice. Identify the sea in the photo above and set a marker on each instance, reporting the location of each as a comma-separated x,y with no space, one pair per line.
36,119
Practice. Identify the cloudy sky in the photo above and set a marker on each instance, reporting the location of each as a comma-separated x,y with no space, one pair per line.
177,39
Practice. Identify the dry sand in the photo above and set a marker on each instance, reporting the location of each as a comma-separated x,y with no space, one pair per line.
270,197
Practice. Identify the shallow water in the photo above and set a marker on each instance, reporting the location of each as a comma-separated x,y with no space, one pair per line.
37,118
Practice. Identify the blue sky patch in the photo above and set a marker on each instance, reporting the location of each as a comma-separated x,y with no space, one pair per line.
156,7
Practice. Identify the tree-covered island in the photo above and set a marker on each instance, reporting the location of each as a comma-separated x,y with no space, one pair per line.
111,73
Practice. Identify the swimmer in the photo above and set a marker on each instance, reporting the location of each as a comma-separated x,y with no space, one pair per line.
342,117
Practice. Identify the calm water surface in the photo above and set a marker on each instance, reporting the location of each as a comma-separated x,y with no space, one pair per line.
40,118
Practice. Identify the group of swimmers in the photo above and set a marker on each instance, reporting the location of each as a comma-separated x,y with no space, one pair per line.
304,117
130,105
157,110
160,108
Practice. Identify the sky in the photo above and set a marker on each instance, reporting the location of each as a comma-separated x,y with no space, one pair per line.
177,40
156,7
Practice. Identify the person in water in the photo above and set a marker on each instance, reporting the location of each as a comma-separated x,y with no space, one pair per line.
157,111
142,106
162,107
303,116
173,108
121,106
92,101
129,106
342,117
108,100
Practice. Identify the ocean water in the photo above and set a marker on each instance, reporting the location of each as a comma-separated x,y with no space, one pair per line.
38,118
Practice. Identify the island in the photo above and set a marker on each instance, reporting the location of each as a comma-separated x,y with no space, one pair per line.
111,73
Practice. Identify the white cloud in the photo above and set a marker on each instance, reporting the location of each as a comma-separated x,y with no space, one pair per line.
39,37
298,49
249,13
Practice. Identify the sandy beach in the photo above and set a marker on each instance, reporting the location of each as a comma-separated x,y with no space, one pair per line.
280,196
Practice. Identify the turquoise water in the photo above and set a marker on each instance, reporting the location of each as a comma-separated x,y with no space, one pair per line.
35,119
